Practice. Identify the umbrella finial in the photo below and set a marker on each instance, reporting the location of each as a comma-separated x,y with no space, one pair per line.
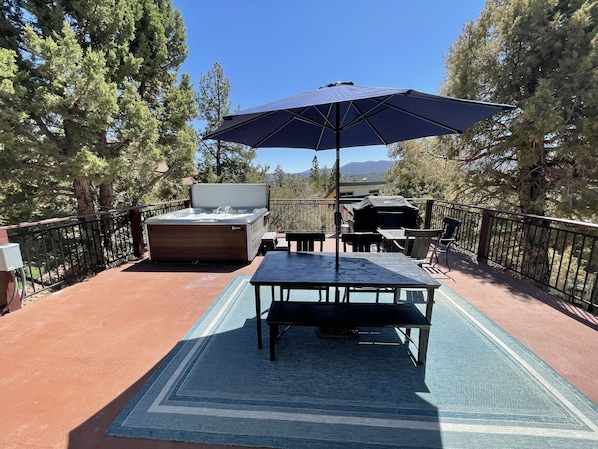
340,83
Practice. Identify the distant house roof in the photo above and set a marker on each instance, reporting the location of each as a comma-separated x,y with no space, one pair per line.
163,168
357,189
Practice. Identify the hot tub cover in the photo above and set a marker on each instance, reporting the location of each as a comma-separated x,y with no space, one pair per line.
236,196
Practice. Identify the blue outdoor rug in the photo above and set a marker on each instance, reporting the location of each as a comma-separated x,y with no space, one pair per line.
479,389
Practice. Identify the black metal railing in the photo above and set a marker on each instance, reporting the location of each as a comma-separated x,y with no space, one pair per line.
65,250
302,215
559,255
468,234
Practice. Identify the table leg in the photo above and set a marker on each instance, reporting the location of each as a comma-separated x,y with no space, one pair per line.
258,316
424,334
430,304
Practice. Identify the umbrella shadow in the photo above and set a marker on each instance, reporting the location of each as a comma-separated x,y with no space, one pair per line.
331,390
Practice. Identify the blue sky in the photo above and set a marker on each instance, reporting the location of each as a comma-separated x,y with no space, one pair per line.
275,49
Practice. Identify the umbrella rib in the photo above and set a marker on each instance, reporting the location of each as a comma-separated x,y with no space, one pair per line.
282,126
296,116
214,135
364,116
326,124
367,114
421,117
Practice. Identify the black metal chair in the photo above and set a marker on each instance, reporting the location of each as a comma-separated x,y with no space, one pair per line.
416,246
305,241
362,242
450,226
418,243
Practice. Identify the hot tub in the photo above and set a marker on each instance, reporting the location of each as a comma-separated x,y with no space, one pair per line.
225,223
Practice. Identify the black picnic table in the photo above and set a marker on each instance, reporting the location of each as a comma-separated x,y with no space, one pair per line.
301,270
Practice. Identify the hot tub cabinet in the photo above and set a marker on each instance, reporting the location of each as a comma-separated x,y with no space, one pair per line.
205,242
226,223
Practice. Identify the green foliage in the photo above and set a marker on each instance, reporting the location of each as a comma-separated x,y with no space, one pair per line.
541,56
96,117
222,161
292,186
315,175
332,176
319,178
8,69
420,172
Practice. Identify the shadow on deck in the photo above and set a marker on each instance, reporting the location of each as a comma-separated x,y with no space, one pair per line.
71,361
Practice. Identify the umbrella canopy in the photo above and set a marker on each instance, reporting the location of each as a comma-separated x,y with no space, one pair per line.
343,115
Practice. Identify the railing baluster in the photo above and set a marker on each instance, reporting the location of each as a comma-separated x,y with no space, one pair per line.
60,250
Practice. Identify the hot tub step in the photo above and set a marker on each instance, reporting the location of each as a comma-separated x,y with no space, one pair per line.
271,242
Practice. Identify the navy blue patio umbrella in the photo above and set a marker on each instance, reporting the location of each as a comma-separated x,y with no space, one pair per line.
343,115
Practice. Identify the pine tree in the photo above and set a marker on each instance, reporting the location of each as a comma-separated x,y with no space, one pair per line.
98,109
315,175
222,161
541,56
420,172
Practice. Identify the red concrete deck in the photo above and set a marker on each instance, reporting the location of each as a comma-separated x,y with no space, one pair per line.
70,362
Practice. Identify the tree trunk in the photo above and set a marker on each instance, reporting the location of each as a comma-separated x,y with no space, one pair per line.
534,248
86,207
533,187
83,195
218,161
106,196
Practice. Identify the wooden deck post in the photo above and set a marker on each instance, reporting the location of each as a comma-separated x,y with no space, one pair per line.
428,217
485,234
137,232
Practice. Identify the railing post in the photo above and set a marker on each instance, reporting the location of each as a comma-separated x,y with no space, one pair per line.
428,217
136,232
8,284
485,234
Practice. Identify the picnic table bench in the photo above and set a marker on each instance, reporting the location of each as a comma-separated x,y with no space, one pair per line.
344,315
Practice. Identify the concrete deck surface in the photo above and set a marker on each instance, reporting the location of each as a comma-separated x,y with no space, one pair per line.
71,361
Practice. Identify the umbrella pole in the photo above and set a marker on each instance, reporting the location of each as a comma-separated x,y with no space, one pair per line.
337,213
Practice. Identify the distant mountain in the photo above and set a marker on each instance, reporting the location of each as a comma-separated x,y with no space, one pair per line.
360,168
